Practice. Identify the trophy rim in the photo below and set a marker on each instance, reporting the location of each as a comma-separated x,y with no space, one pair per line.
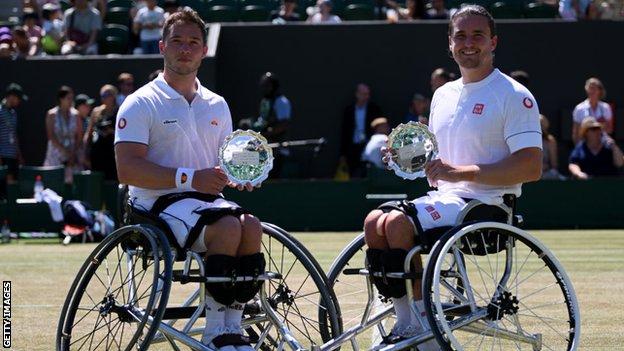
394,166
265,172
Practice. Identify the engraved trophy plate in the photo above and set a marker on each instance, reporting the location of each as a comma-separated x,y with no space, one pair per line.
411,145
246,157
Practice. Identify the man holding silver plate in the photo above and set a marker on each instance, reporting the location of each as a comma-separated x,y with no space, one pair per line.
175,149
483,142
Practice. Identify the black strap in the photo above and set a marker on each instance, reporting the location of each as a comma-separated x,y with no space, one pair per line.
169,199
230,340
207,217
406,207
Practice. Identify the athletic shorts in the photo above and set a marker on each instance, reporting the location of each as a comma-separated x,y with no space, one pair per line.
183,215
437,209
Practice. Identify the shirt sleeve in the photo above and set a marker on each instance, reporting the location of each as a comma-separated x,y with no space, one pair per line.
577,115
226,128
133,122
96,20
576,155
522,128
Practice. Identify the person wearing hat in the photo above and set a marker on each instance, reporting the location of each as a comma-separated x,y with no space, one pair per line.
418,109
10,154
52,26
597,155
372,151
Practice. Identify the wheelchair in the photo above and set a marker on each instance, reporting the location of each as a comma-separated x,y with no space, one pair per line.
487,285
122,298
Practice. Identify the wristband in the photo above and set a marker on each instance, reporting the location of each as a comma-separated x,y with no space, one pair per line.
184,178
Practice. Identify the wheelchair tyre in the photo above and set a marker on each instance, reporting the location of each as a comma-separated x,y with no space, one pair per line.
297,296
517,298
353,296
119,295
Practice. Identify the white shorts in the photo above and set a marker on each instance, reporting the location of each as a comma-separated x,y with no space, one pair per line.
437,209
182,216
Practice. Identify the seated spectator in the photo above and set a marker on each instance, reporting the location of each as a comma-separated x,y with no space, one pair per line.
550,162
125,84
414,9
286,13
52,27
82,24
594,107
439,77
418,109
573,10
101,133
147,24
521,77
21,45
437,10
372,151
7,47
64,130
322,13
596,155
30,20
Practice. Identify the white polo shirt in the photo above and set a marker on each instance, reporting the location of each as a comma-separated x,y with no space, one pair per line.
602,113
483,123
177,134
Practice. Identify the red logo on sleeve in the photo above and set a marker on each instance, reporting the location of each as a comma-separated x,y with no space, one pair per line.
478,109
122,123
527,102
214,122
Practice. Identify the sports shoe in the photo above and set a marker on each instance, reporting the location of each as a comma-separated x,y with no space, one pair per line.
243,343
400,333
219,338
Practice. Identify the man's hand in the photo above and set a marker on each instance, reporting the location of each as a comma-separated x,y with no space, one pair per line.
240,187
386,155
210,180
439,170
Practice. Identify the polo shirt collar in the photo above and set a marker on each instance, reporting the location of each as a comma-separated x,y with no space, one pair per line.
495,73
171,93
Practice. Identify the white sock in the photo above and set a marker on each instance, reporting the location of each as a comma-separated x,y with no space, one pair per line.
430,345
402,311
215,314
234,315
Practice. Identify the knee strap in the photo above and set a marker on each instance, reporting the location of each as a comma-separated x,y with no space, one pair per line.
221,266
375,264
249,265
393,260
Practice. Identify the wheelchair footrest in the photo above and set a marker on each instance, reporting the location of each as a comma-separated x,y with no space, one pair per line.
193,276
396,275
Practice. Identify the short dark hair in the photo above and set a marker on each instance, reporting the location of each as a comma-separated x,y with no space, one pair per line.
473,10
185,16
63,92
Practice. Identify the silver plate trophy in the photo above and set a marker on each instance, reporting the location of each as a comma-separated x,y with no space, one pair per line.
411,145
246,157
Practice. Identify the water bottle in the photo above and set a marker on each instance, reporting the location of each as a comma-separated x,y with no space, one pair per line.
6,232
38,189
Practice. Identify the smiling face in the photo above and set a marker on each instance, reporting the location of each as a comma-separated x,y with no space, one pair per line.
472,43
183,48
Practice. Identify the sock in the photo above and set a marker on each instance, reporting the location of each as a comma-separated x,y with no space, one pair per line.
402,311
420,307
234,315
215,314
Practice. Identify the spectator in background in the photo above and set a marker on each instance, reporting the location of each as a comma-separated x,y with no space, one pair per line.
286,13
10,154
418,109
64,130
573,10
550,162
84,105
102,133
414,9
439,77
437,10
125,84
52,26
30,20
170,7
147,24
21,46
356,130
592,106
322,13
521,77
82,24
372,151
596,155
154,75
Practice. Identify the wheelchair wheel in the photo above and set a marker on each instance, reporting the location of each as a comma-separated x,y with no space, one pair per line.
354,296
491,286
120,293
297,296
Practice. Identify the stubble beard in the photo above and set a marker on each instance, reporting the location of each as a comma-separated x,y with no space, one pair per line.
180,70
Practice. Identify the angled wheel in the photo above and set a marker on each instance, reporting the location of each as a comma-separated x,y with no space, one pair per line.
358,296
491,286
119,294
296,297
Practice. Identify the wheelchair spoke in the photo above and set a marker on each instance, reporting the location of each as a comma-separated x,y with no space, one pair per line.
119,269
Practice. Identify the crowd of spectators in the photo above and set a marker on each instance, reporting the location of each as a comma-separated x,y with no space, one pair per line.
46,28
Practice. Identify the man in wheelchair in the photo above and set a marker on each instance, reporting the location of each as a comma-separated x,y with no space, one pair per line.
488,133
166,143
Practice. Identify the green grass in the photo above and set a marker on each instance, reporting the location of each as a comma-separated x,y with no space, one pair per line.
42,273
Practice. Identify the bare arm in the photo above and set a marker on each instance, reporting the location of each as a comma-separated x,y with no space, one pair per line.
618,157
134,169
576,171
522,166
